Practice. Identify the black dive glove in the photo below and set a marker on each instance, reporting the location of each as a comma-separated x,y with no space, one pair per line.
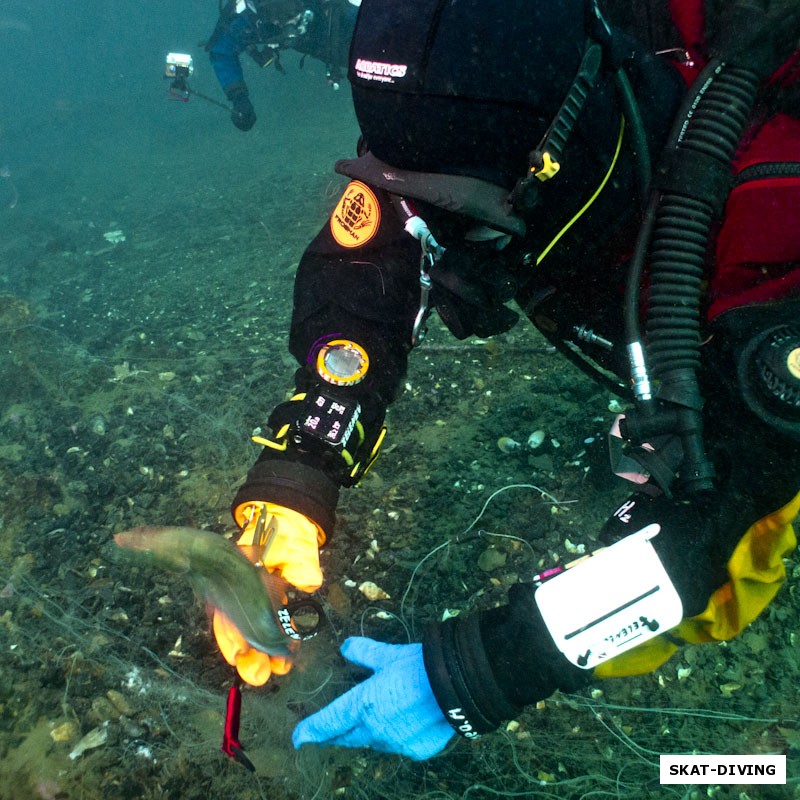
758,35
243,115
470,285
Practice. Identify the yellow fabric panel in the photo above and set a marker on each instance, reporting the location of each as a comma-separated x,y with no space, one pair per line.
756,572
638,661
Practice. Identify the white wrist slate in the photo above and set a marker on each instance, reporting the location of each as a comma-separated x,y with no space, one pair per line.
611,601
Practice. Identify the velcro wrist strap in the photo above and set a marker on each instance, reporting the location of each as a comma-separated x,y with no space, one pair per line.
324,425
462,679
294,485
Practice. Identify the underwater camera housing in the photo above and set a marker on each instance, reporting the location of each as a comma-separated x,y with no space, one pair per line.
178,65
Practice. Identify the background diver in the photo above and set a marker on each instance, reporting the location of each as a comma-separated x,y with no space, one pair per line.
263,28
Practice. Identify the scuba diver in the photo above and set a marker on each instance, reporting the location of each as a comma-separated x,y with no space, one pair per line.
263,28
638,209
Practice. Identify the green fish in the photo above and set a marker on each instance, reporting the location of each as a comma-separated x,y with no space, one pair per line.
221,575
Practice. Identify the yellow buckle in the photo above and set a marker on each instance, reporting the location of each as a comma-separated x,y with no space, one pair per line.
549,167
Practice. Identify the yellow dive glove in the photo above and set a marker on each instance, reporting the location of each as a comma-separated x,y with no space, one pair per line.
281,541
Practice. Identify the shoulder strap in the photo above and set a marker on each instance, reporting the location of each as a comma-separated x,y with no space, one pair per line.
460,194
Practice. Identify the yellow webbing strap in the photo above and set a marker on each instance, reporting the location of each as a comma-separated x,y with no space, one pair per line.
756,572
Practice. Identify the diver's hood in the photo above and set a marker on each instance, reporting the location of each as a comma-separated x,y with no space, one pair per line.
460,194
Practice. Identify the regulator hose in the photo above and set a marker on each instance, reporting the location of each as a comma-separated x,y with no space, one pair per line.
693,193
689,191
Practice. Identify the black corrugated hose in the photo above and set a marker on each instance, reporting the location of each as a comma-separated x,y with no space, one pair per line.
690,188
679,250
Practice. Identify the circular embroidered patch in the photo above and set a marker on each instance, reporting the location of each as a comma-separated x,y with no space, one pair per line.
357,215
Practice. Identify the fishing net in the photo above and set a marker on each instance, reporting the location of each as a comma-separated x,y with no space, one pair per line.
111,684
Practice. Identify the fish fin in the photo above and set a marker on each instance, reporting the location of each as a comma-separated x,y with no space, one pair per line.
277,588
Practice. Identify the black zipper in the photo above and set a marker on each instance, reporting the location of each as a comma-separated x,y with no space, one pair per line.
769,169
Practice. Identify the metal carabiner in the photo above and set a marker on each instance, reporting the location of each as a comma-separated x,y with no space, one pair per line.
431,252
426,262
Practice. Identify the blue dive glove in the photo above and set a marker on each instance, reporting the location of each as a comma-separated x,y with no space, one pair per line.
393,710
